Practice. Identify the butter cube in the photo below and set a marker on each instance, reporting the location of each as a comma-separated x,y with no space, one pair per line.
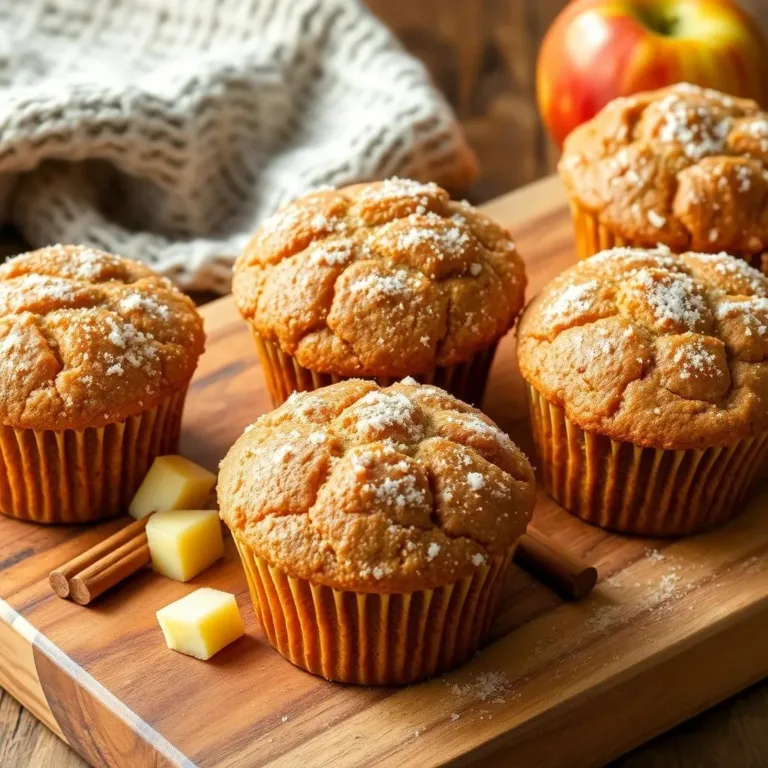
172,482
201,623
184,542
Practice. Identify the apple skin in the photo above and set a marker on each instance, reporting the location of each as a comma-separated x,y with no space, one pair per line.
597,50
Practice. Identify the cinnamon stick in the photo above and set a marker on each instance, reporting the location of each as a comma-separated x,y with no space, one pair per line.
104,565
571,578
111,570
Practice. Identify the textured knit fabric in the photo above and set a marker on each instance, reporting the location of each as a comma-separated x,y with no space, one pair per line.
166,130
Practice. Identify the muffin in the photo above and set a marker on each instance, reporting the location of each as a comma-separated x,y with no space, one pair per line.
379,281
648,381
375,527
96,353
683,167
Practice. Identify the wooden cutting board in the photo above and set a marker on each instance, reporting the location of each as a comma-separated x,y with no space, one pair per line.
672,628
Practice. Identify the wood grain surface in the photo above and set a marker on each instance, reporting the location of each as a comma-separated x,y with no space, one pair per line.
673,627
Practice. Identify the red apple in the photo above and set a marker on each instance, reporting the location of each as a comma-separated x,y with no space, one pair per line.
597,50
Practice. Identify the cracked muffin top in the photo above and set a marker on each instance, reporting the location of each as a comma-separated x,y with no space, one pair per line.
657,349
88,338
382,279
682,166
376,490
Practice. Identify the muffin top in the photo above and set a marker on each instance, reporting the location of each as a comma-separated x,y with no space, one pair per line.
376,490
682,166
382,279
87,338
660,350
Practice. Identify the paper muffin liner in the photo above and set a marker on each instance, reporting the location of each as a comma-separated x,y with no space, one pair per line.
79,476
591,237
631,489
284,375
372,638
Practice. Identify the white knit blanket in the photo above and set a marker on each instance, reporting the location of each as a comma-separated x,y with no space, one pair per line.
166,130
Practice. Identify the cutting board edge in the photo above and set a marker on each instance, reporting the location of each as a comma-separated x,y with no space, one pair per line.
40,653
749,624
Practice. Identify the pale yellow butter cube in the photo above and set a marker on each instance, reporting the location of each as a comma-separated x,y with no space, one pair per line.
172,482
201,623
184,542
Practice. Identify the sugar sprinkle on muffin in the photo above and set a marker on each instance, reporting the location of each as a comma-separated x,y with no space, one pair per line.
378,280
366,488
367,502
88,341
683,166
649,350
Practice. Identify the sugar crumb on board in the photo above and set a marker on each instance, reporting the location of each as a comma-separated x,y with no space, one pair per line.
486,687
657,593
655,555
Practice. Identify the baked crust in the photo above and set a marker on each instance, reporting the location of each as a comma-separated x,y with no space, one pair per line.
682,166
376,490
88,338
383,279
659,350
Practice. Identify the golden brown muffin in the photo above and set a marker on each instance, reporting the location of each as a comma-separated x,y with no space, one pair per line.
682,166
362,498
96,352
648,376
380,281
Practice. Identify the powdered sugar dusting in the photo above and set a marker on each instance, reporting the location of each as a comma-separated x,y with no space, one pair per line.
695,360
476,481
82,263
35,288
136,301
12,347
380,411
753,312
451,240
696,128
331,254
486,686
375,285
474,423
283,453
400,491
727,265
673,297
396,187
136,348
757,128
632,259
744,179
294,216
573,300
